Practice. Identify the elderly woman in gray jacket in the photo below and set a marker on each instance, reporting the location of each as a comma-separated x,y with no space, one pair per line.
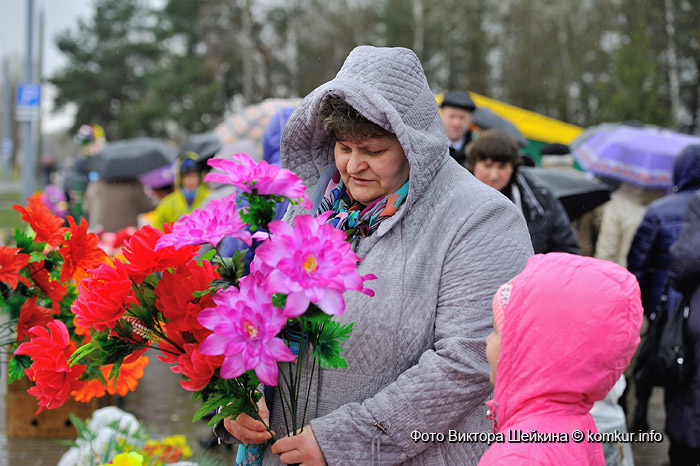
371,146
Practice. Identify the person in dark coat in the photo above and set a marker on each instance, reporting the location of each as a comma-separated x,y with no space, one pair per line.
683,401
494,159
648,257
457,114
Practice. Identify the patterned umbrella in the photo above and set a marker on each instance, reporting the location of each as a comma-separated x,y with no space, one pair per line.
641,155
251,121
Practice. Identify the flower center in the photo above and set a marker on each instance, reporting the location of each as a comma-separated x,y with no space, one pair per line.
310,264
252,331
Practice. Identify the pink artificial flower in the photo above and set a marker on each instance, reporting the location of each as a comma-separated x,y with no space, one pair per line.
210,225
263,178
245,326
311,262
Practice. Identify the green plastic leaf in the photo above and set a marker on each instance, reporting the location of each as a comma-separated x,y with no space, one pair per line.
16,367
327,347
82,352
208,406
23,240
207,256
232,409
36,256
151,280
315,316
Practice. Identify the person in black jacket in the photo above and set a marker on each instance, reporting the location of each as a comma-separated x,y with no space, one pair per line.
494,159
683,401
648,256
457,114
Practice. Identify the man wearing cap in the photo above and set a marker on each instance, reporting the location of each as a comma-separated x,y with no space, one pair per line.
457,108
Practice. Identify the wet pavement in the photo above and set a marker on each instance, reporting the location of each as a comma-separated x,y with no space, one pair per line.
159,402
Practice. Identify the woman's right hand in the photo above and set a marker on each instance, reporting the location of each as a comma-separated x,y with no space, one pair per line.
249,430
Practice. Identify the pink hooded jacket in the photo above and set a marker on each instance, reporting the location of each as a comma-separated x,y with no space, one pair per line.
571,326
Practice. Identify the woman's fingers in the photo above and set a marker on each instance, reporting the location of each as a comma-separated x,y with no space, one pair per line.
246,429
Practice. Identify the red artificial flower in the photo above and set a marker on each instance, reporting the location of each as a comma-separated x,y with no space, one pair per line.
50,349
48,228
54,289
102,298
11,262
169,352
144,260
197,367
80,252
175,300
31,315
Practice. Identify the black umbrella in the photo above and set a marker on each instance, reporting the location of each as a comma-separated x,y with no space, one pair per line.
577,192
485,118
204,145
131,158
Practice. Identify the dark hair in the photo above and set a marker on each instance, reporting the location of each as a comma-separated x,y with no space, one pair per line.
496,145
341,122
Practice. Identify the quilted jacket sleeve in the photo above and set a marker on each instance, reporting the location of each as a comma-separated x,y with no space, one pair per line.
450,381
640,257
685,252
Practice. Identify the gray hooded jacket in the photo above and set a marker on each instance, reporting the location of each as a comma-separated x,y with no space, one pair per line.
416,356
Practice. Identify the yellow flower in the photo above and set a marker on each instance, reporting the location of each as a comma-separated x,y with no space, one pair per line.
127,459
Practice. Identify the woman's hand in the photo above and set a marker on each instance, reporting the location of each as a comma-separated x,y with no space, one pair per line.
249,430
301,448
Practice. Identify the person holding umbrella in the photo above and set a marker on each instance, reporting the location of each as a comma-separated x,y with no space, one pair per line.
494,159
189,192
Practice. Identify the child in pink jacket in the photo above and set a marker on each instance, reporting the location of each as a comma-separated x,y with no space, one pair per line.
564,330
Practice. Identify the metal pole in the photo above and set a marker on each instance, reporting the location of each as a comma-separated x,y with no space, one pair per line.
6,118
28,169
39,151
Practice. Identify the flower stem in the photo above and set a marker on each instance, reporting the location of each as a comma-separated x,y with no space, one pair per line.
308,391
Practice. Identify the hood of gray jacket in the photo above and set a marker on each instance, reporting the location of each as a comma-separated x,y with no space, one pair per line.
388,87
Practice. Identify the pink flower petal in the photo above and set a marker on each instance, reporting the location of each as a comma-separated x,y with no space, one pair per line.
296,304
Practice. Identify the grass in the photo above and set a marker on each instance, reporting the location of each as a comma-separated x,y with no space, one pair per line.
9,217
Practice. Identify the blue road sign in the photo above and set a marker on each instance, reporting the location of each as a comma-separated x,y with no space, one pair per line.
28,94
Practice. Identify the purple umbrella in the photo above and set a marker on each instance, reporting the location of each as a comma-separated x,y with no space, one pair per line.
640,155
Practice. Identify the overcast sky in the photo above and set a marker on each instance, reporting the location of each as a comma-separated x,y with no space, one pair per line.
58,15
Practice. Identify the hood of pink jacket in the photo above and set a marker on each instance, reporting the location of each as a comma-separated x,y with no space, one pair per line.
570,328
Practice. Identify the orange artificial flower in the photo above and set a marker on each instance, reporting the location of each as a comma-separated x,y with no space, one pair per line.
48,227
10,264
31,315
127,380
80,252
129,375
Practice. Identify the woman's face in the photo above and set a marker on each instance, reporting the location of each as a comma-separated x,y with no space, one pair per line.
495,174
493,349
373,168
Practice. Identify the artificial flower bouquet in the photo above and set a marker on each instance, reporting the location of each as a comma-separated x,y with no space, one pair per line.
38,280
222,323
116,437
